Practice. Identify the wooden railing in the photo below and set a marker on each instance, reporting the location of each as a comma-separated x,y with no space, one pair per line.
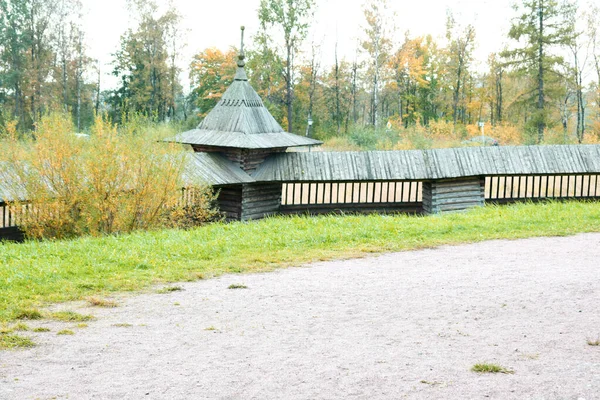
324,197
7,216
407,196
506,189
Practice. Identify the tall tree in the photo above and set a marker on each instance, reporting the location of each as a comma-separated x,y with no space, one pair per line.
495,89
409,70
580,52
142,64
541,26
16,40
593,38
461,41
377,45
290,20
211,73
43,60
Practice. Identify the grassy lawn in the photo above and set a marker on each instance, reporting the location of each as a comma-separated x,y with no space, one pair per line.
35,274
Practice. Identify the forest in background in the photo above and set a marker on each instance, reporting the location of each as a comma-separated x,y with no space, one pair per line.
544,87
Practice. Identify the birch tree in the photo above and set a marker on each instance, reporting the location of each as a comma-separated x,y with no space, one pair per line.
288,19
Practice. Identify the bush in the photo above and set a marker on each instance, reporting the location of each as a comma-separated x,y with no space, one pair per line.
364,138
108,183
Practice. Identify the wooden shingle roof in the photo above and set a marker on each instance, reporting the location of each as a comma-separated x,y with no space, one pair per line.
212,169
429,164
241,120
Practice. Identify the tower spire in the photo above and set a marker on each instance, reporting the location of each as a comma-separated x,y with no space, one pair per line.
240,75
242,56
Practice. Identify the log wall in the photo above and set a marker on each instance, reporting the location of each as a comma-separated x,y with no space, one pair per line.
13,234
229,202
453,194
260,200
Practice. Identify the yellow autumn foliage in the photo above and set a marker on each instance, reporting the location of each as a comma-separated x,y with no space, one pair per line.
106,183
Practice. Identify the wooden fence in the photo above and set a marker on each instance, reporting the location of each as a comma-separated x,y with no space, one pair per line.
383,197
328,197
9,229
407,196
507,189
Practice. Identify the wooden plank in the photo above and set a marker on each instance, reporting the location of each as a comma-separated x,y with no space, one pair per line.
12,234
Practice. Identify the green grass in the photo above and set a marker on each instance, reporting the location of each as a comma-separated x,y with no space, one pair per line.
237,286
70,316
491,369
21,327
169,289
41,329
10,341
65,332
27,313
36,274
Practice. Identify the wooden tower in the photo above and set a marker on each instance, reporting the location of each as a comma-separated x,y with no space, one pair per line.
241,129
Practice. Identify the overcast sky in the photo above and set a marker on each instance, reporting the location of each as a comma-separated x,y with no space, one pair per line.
215,23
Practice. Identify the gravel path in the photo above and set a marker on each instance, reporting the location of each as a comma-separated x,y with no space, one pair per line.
402,325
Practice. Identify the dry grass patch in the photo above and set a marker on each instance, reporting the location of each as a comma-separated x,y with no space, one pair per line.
99,302
123,325
592,342
169,289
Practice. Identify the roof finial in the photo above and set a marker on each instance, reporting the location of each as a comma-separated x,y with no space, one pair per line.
241,57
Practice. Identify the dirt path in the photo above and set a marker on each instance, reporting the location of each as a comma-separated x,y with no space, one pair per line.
403,325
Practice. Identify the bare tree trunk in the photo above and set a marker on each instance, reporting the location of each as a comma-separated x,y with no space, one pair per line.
354,89
499,97
337,92
540,104
97,108
288,87
376,87
78,77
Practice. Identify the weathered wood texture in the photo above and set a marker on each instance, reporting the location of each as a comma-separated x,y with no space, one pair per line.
229,202
12,234
429,164
453,195
213,169
241,120
242,140
260,200
9,230
350,192
6,216
250,201
246,159
508,188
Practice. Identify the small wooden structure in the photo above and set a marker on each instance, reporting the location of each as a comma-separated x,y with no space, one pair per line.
242,130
